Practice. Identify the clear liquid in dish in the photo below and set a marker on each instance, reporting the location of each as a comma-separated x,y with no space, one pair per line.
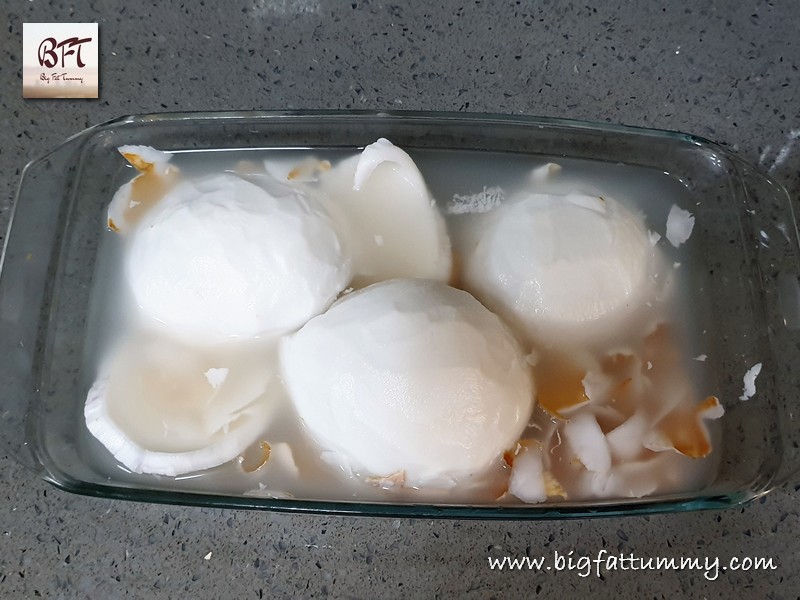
637,366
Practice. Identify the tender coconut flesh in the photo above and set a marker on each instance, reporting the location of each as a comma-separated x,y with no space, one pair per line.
223,257
157,410
545,262
412,381
393,229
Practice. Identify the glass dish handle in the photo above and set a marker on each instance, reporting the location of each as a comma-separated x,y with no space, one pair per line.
775,237
31,249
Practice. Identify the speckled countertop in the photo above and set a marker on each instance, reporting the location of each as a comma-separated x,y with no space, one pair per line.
723,70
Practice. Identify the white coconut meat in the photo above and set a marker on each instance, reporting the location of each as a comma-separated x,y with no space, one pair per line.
527,481
561,264
155,408
680,223
410,376
749,380
221,258
588,442
392,225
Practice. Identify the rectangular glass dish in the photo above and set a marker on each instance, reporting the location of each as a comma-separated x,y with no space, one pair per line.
740,287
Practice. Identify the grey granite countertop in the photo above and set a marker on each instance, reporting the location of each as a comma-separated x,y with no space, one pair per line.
723,70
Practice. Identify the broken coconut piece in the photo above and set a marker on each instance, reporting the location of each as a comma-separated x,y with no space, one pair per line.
527,480
527,483
588,442
749,381
391,224
680,223
133,199
684,430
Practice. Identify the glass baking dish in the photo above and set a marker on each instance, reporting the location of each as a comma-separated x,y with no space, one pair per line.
744,282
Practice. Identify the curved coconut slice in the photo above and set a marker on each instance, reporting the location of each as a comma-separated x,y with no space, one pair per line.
133,199
684,429
392,226
162,409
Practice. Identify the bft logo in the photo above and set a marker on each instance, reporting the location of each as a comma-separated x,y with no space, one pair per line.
60,60
48,57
